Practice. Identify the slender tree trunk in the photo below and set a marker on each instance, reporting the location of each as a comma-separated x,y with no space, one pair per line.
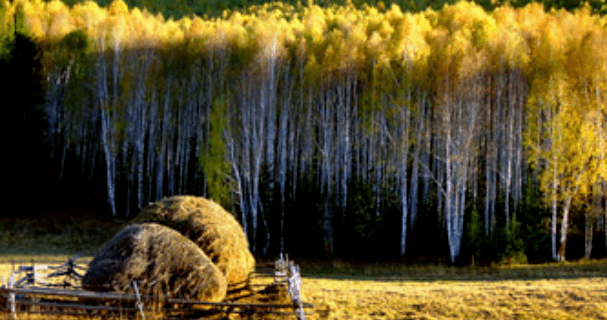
165,127
270,136
283,136
107,131
378,156
269,104
448,199
248,107
349,118
450,205
152,126
128,171
417,144
490,159
553,229
326,118
402,172
139,124
588,235
553,222
508,169
564,229
519,162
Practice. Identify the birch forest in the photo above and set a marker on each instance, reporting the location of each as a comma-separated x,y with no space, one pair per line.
451,135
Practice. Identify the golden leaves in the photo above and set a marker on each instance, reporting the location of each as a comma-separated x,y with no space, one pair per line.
118,8
461,40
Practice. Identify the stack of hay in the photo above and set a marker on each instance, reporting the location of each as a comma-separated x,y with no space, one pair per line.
181,247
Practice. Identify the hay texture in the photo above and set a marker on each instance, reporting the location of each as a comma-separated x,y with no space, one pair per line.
162,262
212,228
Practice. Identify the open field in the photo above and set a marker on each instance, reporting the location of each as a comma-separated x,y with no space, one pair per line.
54,236
340,290
564,291
513,299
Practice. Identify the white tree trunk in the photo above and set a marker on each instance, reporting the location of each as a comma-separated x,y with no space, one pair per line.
107,131
564,229
553,230
326,168
402,172
283,136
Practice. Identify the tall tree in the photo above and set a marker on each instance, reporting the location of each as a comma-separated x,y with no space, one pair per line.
22,91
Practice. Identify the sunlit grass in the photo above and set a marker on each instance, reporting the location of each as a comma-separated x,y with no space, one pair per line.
570,291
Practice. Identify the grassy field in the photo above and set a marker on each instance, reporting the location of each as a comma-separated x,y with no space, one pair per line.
342,290
559,291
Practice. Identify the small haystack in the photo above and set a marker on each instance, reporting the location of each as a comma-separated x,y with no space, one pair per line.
212,228
162,262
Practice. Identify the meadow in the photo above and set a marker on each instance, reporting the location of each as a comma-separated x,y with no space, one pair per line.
390,291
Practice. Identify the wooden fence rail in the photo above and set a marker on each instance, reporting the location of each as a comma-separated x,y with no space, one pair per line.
24,292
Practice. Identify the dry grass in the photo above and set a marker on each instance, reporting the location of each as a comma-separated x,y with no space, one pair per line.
537,299
212,228
554,291
52,237
160,260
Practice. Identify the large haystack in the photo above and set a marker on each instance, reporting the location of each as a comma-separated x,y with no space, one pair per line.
212,228
162,262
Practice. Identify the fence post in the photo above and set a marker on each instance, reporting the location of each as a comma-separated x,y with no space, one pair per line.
139,303
33,280
280,270
294,287
11,296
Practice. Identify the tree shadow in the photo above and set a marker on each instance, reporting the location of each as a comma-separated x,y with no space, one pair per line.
395,272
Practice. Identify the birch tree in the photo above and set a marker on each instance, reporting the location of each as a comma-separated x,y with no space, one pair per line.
108,131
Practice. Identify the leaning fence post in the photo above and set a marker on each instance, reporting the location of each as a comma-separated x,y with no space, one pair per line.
294,288
139,303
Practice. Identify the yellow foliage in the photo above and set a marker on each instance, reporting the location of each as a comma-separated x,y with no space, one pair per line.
460,39
88,16
314,20
59,19
118,8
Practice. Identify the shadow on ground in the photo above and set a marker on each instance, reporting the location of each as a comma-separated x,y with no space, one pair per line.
339,270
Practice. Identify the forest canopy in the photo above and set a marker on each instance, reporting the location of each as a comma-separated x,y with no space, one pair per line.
474,132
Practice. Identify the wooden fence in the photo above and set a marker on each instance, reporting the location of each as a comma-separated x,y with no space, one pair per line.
36,292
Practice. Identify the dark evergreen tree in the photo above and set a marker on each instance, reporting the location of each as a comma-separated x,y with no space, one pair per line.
22,93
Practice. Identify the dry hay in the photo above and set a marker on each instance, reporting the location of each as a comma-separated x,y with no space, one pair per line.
212,228
161,261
